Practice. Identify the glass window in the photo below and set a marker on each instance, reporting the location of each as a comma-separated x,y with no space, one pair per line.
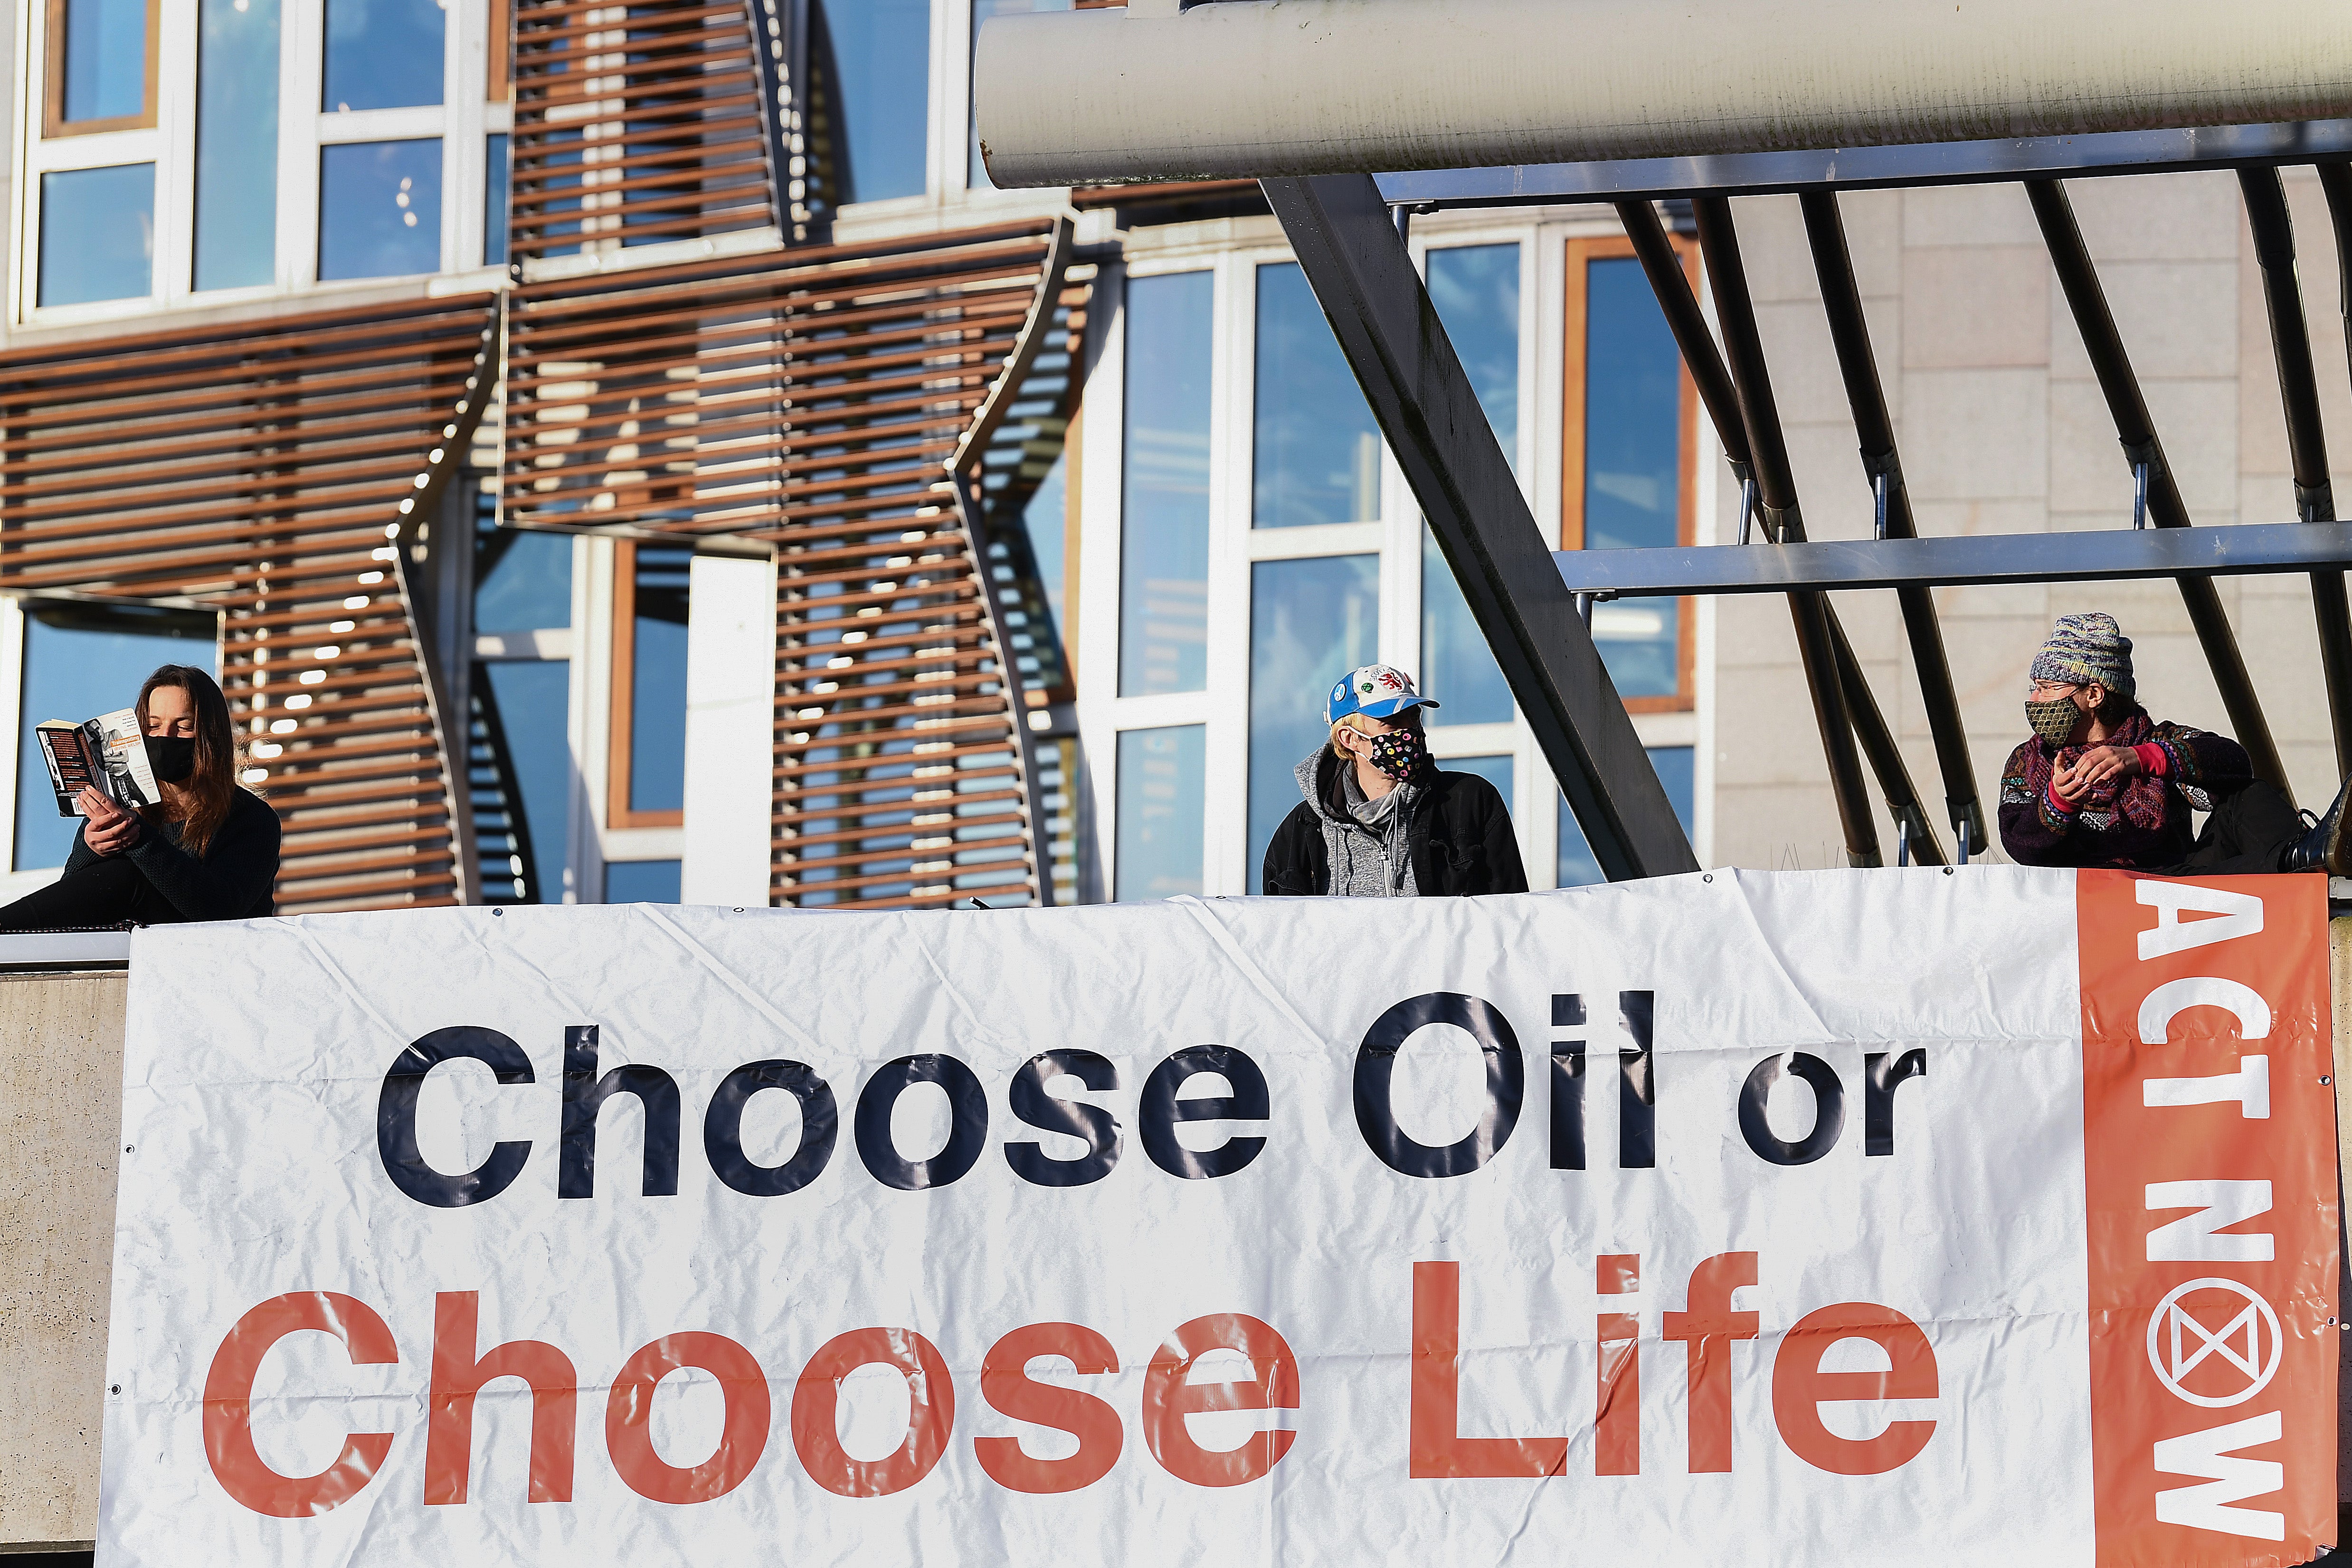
1311,621
1577,866
1476,291
872,58
100,61
1046,518
1318,453
522,582
531,703
236,143
649,731
97,234
641,881
982,10
1163,599
1495,770
379,209
1633,465
81,661
383,54
497,188
1162,811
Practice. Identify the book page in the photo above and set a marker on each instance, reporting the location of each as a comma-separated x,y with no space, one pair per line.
67,755
130,777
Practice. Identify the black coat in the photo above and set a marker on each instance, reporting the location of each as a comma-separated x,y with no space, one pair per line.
1461,840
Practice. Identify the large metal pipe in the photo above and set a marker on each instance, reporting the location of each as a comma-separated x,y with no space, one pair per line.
1321,87
2087,299
1775,486
2306,438
1883,466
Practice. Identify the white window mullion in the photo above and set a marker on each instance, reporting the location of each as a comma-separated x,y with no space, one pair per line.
1226,755
464,163
1101,480
301,81
177,43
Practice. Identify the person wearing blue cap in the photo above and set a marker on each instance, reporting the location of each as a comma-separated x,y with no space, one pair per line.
2100,783
1379,819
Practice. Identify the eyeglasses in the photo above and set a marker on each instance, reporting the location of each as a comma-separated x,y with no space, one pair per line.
2045,690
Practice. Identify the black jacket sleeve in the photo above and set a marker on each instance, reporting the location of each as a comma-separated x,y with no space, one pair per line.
231,880
1296,865
1509,872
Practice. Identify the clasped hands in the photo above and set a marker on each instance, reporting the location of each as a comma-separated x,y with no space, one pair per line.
2100,764
111,830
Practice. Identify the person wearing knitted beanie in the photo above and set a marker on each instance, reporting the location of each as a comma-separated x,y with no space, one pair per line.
2100,783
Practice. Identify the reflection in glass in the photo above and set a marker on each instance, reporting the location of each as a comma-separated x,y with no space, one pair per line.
1311,621
379,209
498,189
1161,811
522,582
1633,465
236,143
1476,291
1047,519
982,10
1163,595
1577,868
383,54
105,60
658,680
641,881
1318,454
1495,770
533,698
81,661
97,234
872,61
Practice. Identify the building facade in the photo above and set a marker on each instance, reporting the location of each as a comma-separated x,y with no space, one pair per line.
633,453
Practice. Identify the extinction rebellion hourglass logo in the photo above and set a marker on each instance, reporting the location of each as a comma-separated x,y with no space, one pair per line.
2214,1367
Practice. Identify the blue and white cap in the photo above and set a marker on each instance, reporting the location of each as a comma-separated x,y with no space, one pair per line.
1376,691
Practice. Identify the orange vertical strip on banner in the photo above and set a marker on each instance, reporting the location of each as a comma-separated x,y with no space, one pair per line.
2209,1161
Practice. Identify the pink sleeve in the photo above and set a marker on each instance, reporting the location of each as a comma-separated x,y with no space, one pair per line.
2056,804
2154,758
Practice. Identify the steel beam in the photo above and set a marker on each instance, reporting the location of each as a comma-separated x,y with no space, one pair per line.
1881,466
2306,437
1875,168
2144,451
1331,87
1776,491
2099,555
1364,278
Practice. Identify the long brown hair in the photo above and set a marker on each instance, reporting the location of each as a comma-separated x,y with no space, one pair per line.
203,796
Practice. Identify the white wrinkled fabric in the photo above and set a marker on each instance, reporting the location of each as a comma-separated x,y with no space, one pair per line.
255,1061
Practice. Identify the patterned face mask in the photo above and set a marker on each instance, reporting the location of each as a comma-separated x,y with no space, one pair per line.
2054,720
1401,753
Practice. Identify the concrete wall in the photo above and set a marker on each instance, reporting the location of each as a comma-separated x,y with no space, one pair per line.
60,1118
2003,430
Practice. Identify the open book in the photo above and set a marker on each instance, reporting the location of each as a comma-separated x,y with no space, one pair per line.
108,751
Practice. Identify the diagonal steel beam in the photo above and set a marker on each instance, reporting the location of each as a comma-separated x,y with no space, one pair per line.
1883,466
2315,495
2142,448
1776,491
1362,275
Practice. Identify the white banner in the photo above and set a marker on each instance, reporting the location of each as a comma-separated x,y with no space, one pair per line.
1727,1217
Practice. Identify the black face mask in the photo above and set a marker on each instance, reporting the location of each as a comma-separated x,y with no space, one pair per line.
173,755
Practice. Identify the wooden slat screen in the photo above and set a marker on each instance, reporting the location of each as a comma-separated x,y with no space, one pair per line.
633,123
807,399
255,469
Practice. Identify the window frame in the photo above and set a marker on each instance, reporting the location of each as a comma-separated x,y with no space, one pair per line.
1583,250
468,115
620,720
53,77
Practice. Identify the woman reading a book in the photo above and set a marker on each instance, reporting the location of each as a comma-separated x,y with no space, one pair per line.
207,851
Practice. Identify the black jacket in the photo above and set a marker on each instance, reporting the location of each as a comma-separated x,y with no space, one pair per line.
1461,840
234,879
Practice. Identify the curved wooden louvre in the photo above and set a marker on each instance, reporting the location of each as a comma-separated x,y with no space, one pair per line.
255,468
808,399
633,123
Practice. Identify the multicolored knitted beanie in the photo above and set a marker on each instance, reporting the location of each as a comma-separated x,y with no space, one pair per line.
2086,649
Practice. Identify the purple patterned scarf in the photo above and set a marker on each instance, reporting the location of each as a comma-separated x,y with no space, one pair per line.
2140,799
